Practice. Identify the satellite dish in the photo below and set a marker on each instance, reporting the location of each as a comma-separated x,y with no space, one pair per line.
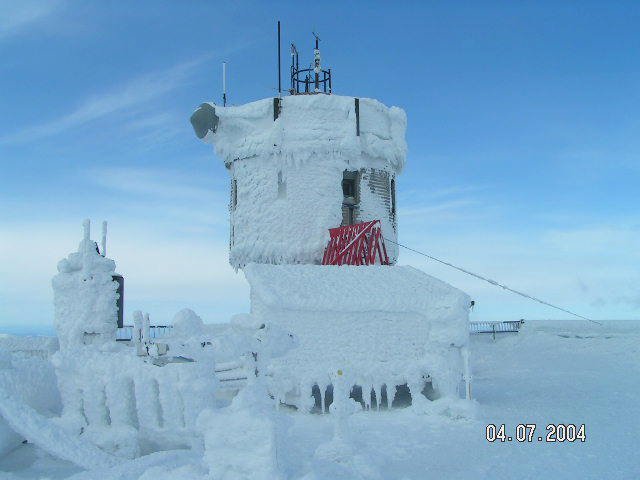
205,120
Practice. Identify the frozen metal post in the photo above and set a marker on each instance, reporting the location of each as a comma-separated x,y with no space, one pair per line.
103,246
224,84
279,69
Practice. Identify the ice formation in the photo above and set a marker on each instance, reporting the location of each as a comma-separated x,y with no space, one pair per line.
27,379
122,398
85,297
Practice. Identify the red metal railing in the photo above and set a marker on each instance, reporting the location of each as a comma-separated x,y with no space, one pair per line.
359,244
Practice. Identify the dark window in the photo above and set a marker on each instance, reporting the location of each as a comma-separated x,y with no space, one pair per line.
349,187
393,196
350,197
234,194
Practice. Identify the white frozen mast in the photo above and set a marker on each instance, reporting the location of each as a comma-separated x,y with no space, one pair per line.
306,163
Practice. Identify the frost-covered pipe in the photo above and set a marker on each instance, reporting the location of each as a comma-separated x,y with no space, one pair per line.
103,246
85,248
137,326
467,371
138,332
146,334
86,226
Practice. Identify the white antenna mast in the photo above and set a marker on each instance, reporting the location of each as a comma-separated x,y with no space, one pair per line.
224,84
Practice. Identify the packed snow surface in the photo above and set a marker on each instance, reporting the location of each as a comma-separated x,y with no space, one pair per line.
549,373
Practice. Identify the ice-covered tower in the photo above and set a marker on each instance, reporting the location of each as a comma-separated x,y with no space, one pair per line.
304,163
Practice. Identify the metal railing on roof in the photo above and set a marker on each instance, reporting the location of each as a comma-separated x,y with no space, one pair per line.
125,334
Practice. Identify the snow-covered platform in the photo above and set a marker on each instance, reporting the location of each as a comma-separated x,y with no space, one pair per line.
551,372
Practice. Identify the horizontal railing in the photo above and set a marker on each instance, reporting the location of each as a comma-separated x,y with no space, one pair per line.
125,334
495,327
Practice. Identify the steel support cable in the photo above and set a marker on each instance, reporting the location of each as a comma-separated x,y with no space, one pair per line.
493,282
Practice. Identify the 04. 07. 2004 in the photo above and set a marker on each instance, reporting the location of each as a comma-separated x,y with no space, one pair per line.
526,433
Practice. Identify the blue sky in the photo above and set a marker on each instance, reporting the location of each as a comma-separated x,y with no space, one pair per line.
523,142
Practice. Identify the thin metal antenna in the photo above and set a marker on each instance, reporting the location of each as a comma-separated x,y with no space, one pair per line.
316,63
224,84
279,68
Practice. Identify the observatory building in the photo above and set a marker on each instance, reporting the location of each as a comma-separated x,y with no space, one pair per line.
312,201
302,164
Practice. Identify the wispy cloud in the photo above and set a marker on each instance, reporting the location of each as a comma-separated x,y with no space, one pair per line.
134,93
184,202
442,209
445,192
155,183
444,203
18,16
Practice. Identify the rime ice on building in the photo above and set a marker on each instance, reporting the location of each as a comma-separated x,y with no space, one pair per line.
300,165
86,296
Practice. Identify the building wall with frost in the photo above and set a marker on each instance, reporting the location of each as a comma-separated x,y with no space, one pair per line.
288,159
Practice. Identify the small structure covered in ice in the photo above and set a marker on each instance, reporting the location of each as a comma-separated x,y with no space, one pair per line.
85,296
122,397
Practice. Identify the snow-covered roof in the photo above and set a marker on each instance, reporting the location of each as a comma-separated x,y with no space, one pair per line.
311,127
355,289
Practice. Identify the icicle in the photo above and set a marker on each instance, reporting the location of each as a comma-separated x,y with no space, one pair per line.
391,393
366,396
322,391
378,393
311,399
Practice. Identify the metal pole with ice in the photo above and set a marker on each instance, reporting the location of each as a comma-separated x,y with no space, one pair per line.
224,84
103,246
